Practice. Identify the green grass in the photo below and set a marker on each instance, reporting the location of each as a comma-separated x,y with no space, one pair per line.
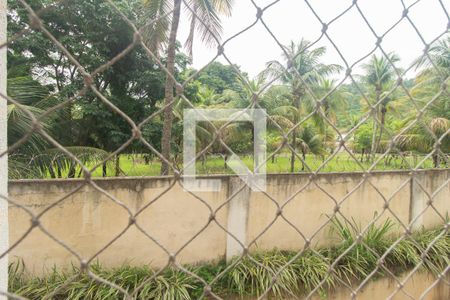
299,274
134,165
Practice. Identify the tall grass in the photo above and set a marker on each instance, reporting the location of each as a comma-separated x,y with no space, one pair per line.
298,274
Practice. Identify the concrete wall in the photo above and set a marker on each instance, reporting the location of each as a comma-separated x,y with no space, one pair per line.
86,220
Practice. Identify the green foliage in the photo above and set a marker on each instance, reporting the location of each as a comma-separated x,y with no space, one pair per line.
219,78
170,284
296,274
379,71
94,35
40,76
434,247
363,137
348,118
362,258
300,275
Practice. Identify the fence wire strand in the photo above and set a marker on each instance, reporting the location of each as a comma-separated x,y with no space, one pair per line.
364,174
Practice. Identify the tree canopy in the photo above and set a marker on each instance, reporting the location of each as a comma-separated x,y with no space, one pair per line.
41,77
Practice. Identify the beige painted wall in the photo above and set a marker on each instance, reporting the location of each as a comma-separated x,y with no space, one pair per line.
86,219
314,202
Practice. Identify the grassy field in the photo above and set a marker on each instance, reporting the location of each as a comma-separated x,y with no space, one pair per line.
134,165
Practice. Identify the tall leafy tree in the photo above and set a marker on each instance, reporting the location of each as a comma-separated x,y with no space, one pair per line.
165,31
220,77
94,34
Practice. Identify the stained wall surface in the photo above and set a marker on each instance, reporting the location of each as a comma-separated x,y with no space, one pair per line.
145,220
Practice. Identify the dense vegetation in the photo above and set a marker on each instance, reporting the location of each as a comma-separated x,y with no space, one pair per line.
40,77
299,274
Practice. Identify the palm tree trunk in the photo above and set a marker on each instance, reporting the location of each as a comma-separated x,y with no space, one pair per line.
203,159
436,160
117,169
374,137
104,170
168,116
294,133
374,130
382,121
304,159
296,91
256,161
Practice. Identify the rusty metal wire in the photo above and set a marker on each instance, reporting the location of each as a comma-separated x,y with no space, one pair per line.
365,172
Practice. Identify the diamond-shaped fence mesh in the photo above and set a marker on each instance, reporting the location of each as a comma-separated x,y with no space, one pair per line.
357,193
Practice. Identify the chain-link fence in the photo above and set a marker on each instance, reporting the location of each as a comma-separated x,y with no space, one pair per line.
112,74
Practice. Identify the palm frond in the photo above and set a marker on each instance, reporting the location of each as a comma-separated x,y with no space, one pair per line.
379,70
204,16
26,90
288,111
439,125
20,124
282,121
156,32
54,158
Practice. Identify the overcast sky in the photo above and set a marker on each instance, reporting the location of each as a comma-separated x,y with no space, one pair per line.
293,19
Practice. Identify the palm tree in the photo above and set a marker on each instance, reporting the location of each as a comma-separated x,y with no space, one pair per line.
204,130
28,93
430,79
305,72
307,138
165,30
437,117
419,139
438,69
207,96
35,157
331,105
380,74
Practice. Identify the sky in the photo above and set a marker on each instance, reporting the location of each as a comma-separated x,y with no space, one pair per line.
292,20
